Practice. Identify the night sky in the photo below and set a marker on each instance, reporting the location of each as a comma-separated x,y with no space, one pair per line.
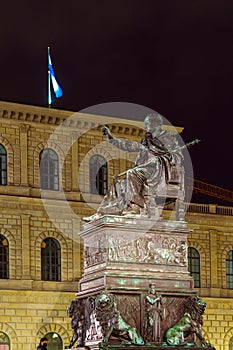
173,56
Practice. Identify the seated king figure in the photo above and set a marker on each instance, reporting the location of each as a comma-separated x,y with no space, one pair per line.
157,152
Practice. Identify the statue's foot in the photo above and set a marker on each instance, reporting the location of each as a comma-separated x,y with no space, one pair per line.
132,209
92,217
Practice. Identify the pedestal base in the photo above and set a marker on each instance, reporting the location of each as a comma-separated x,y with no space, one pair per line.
136,285
158,346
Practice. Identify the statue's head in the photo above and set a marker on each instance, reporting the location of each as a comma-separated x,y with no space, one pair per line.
153,121
152,288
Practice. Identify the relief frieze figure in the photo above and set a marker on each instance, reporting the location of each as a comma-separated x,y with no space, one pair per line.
148,249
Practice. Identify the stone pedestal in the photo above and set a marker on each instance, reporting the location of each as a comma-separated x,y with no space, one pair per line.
127,254
124,258
136,286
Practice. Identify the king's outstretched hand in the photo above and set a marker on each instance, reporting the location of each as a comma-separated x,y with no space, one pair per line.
106,131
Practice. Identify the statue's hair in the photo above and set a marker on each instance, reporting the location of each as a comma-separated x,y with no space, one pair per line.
155,117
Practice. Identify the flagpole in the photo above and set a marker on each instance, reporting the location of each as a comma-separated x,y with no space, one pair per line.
52,82
49,81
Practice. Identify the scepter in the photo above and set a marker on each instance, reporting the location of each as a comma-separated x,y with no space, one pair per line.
178,148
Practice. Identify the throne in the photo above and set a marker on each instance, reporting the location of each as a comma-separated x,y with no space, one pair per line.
172,192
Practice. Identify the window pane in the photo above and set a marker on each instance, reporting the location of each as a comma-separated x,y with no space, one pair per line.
231,344
3,165
229,270
54,341
49,170
194,266
4,258
98,175
50,260
4,341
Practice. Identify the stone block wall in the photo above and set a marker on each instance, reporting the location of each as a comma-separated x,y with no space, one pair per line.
26,316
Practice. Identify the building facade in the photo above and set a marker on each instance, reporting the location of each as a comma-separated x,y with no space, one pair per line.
54,167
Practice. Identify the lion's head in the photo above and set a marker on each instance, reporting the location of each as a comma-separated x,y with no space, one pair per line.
76,308
196,307
198,304
104,302
71,308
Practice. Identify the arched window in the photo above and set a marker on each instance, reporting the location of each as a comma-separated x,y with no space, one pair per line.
4,341
231,343
194,266
49,170
54,341
98,175
229,270
3,165
50,260
4,257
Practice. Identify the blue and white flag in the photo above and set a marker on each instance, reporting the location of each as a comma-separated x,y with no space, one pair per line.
56,87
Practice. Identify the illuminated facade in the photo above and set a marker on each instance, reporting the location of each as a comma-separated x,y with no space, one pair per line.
41,256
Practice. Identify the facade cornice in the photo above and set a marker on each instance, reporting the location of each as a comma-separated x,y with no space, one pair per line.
76,120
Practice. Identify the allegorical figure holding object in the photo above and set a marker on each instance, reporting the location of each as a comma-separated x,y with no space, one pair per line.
156,153
153,315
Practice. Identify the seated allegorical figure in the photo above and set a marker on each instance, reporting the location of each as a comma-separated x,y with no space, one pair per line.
157,152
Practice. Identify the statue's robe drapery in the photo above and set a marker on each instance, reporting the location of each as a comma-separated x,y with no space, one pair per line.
152,170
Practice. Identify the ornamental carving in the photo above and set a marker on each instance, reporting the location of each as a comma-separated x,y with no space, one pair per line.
149,249
93,255
24,128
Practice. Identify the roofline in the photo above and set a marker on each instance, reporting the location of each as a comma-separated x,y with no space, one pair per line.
51,116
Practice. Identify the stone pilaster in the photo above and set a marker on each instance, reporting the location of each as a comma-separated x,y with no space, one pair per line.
214,258
76,242
75,161
24,153
26,262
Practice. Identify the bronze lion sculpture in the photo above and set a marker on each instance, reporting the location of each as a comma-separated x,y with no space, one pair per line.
189,324
112,322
